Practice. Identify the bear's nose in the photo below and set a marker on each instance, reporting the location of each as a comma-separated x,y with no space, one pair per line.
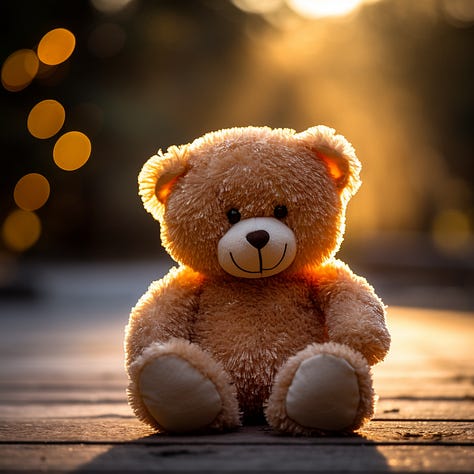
258,238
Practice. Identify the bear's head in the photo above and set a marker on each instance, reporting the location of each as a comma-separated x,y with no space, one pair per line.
252,202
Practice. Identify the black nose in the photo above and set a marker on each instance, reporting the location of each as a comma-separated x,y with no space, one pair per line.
258,238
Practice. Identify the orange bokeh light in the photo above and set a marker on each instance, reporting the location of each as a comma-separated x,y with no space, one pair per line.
56,46
19,69
46,119
21,230
72,150
31,192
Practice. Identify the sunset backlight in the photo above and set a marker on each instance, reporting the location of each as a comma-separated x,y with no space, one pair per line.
310,9
323,8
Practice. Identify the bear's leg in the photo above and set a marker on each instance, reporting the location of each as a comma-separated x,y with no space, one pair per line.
323,388
177,387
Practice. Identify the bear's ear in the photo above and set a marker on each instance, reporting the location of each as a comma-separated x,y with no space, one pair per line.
338,155
158,176
338,165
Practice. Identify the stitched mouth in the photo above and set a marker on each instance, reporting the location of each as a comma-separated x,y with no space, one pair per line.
260,261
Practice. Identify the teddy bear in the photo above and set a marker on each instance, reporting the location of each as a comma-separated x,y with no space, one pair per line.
258,322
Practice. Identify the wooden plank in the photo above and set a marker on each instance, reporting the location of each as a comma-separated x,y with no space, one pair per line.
45,411
420,409
390,409
236,458
20,394
449,386
440,388
87,391
428,343
454,386
108,430
387,409
430,357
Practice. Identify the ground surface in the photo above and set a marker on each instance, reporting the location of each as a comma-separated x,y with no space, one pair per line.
63,406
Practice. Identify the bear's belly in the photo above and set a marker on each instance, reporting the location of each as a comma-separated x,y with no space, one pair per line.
253,330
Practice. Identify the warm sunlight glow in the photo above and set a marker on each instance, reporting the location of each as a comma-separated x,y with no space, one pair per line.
72,150
21,230
451,231
46,119
323,8
31,192
338,74
19,69
56,46
461,11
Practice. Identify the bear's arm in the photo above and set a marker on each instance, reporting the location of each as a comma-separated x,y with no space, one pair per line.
167,310
354,314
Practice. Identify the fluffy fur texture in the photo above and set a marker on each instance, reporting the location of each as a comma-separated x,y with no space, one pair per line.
248,336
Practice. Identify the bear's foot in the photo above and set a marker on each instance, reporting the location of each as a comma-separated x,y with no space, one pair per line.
324,388
179,388
177,395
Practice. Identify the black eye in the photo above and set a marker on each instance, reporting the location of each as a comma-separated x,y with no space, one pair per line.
233,215
280,212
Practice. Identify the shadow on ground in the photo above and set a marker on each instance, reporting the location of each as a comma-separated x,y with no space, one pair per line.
240,452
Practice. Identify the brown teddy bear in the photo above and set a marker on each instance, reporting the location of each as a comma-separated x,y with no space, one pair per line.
259,318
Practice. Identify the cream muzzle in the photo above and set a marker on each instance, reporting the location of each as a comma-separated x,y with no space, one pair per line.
257,247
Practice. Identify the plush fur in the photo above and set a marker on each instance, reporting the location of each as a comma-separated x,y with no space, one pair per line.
248,336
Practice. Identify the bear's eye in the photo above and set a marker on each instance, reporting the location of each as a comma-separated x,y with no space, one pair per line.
280,212
233,215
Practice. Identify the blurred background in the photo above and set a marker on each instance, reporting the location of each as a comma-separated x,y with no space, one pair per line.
91,89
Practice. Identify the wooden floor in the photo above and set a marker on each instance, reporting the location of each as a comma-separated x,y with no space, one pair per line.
63,407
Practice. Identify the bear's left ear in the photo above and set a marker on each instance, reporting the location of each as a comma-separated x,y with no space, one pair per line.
158,176
338,155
